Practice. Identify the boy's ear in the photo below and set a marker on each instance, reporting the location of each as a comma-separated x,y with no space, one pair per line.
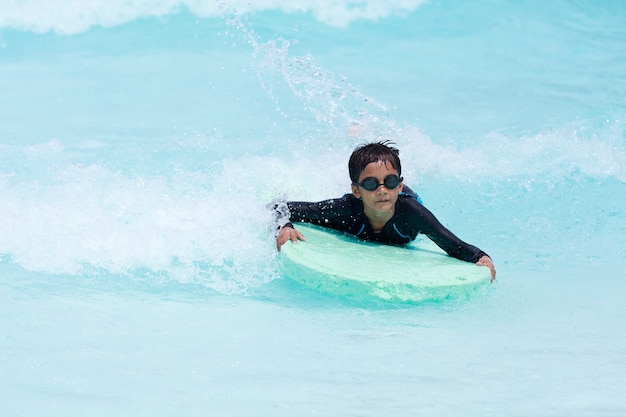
355,191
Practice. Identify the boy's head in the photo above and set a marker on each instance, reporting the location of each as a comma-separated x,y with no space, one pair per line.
373,152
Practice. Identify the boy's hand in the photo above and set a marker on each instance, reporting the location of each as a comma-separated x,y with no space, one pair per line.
288,233
486,261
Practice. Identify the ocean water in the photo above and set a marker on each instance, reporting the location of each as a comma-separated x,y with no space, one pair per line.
141,141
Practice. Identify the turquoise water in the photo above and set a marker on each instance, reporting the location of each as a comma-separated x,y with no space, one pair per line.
140,143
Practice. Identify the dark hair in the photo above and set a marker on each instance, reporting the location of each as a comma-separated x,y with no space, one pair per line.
381,151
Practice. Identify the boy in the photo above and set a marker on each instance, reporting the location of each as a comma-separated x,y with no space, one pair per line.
380,209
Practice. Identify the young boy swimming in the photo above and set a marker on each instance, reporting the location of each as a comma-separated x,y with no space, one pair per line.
380,209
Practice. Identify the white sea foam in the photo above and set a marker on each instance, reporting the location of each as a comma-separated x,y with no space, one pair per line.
550,155
75,16
213,228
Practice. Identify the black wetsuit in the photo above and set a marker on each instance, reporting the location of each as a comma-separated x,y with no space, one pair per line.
410,218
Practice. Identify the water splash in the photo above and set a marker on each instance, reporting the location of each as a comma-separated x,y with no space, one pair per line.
64,217
348,116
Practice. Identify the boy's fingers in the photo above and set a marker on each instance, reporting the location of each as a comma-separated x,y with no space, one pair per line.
288,234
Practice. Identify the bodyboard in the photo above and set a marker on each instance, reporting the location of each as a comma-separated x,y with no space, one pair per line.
334,263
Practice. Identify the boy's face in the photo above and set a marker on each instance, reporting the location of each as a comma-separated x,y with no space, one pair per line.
378,204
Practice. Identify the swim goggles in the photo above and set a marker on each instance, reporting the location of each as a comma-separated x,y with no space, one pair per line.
371,184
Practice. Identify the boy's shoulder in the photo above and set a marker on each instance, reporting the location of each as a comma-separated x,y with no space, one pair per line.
409,200
409,193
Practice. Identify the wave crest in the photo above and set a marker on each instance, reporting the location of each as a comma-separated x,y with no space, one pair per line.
76,16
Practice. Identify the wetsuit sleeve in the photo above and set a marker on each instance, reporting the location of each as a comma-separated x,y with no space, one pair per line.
335,213
428,224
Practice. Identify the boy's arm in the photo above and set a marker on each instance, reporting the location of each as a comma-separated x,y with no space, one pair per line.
448,241
327,213
459,249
